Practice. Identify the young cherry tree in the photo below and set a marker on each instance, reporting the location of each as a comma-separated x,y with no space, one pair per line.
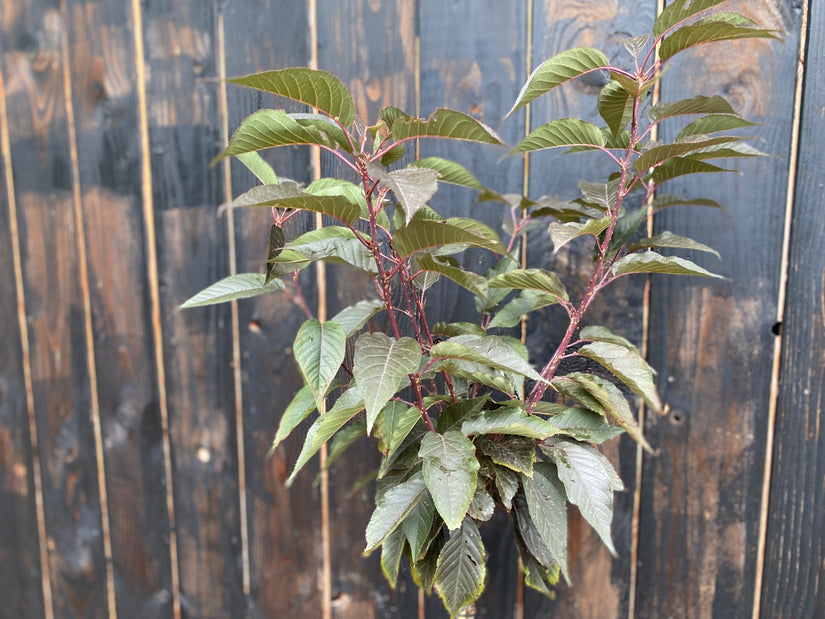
461,417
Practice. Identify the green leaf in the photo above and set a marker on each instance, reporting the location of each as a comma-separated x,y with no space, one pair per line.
588,485
668,239
559,69
627,224
452,329
656,155
314,88
603,195
379,365
326,126
337,187
335,244
482,506
707,32
276,245
561,234
651,262
394,423
450,172
260,168
418,526
547,505
515,453
666,200
450,468
344,439
531,279
391,551
524,303
507,485
423,570
491,350
676,13
615,106
713,123
423,234
239,286
352,318
288,195
271,128
456,413
349,404
302,404
508,420
536,576
477,284
529,534
412,186
635,45
603,334
682,166
445,123
459,577
319,350
696,105
561,132
628,366
584,425
393,154
392,508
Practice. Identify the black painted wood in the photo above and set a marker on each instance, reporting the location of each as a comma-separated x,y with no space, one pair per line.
794,569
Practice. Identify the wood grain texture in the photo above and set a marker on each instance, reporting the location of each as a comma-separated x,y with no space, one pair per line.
558,26
20,568
794,568
184,131
473,60
369,44
33,68
285,553
712,343
105,109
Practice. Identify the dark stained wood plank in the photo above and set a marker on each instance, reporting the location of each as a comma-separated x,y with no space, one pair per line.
558,26
473,60
102,60
184,132
369,44
795,552
21,587
34,68
284,524
712,343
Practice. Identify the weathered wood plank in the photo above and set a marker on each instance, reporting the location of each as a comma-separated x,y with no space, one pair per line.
712,344
20,553
795,552
473,60
184,131
102,60
284,525
558,26
369,44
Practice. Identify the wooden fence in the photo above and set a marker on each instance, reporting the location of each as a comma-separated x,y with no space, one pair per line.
133,473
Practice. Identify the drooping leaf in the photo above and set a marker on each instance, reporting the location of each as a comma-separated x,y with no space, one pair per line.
529,534
515,453
335,244
523,303
615,106
473,282
603,334
392,507
344,439
588,485
451,329
418,526
352,318
496,295
507,483
531,279
314,88
651,262
260,168
325,125
288,195
707,32
379,365
666,200
490,350
482,506
449,467
394,423
561,234
713,123
424,569
349,404
276,245
677,12
699,104
603,195
423,234
656,155
445,123
459,577
319,350
668,239
547,505
509,420
627,224
239,286
338,187
628,366
391,551
457,413
584,425
302,404
559,69
561,132
411,186
536,575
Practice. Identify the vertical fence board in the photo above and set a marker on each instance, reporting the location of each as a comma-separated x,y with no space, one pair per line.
184,131
102,58
473,60
794,568
712,343
20,570
558,26
369,44
284,524
33,76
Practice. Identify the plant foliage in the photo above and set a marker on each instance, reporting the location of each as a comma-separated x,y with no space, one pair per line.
464,423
